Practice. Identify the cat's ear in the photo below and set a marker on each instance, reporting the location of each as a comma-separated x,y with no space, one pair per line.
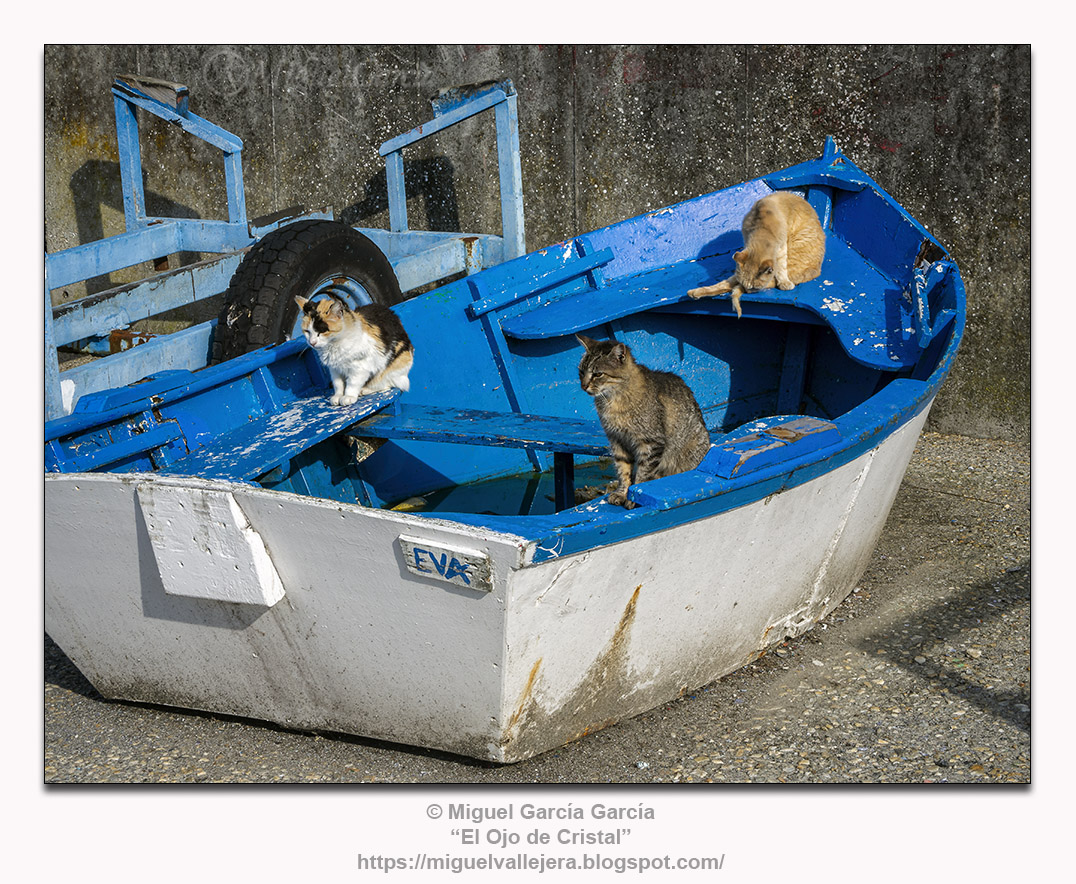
336,308
619,351
585,341
739,256
301,301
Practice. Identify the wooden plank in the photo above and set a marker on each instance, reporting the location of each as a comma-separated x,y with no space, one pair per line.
175,95
443,121
766,442
617,299
216,136
167,393
865,309
185,350
430,423
194,530
257,447
511,178
115,308
113,253
540,282
117,451
563,436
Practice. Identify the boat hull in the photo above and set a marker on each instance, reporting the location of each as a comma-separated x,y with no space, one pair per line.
367,637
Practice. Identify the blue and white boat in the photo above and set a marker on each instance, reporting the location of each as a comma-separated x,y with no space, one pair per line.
414,568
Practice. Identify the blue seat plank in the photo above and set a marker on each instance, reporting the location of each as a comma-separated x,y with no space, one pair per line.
259,446
866,310
431,423
616,299
564,436
575,267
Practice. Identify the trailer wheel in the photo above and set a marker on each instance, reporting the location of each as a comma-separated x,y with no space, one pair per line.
310,259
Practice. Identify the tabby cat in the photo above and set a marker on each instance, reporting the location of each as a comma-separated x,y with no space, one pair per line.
783,246
655,426
365,350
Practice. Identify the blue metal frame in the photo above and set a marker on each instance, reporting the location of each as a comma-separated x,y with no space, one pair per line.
451,108
418,257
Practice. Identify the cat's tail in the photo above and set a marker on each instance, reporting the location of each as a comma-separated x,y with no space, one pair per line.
708,291
720,288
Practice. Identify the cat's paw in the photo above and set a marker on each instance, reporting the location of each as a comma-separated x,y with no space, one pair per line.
335,399
345,400
699,293
619,498
785,285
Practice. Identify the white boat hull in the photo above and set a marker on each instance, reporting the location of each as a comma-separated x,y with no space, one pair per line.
357,626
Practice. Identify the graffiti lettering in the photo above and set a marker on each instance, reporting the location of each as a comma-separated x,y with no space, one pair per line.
449,568
464,568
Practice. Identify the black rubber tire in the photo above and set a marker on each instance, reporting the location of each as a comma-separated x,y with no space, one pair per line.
259,304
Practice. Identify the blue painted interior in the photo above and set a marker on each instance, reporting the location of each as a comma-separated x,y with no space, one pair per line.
495,392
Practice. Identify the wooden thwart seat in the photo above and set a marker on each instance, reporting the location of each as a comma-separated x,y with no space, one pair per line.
259,446
563,436
873,321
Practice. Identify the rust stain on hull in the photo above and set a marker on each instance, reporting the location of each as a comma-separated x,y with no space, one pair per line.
591,707
628,616
525,695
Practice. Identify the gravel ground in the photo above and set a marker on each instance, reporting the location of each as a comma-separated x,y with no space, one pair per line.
922,676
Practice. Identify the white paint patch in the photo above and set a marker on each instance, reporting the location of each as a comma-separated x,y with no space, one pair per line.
835,304
206,548
67,395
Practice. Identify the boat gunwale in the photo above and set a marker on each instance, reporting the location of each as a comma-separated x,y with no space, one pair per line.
862,427
598,523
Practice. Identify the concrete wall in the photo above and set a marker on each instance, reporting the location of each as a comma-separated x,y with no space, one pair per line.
607,132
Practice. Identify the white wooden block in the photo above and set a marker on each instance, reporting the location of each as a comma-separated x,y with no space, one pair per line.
466,568
205,546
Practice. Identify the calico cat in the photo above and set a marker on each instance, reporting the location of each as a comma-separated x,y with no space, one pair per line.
655,426
783,246
365,350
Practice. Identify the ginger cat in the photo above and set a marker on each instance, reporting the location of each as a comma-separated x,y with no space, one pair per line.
783,246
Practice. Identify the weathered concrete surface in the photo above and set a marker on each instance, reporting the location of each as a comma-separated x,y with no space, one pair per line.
606,132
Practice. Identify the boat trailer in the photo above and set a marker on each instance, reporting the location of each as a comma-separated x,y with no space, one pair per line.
100,322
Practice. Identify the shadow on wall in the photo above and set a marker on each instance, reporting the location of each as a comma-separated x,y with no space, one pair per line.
432,179
95,185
